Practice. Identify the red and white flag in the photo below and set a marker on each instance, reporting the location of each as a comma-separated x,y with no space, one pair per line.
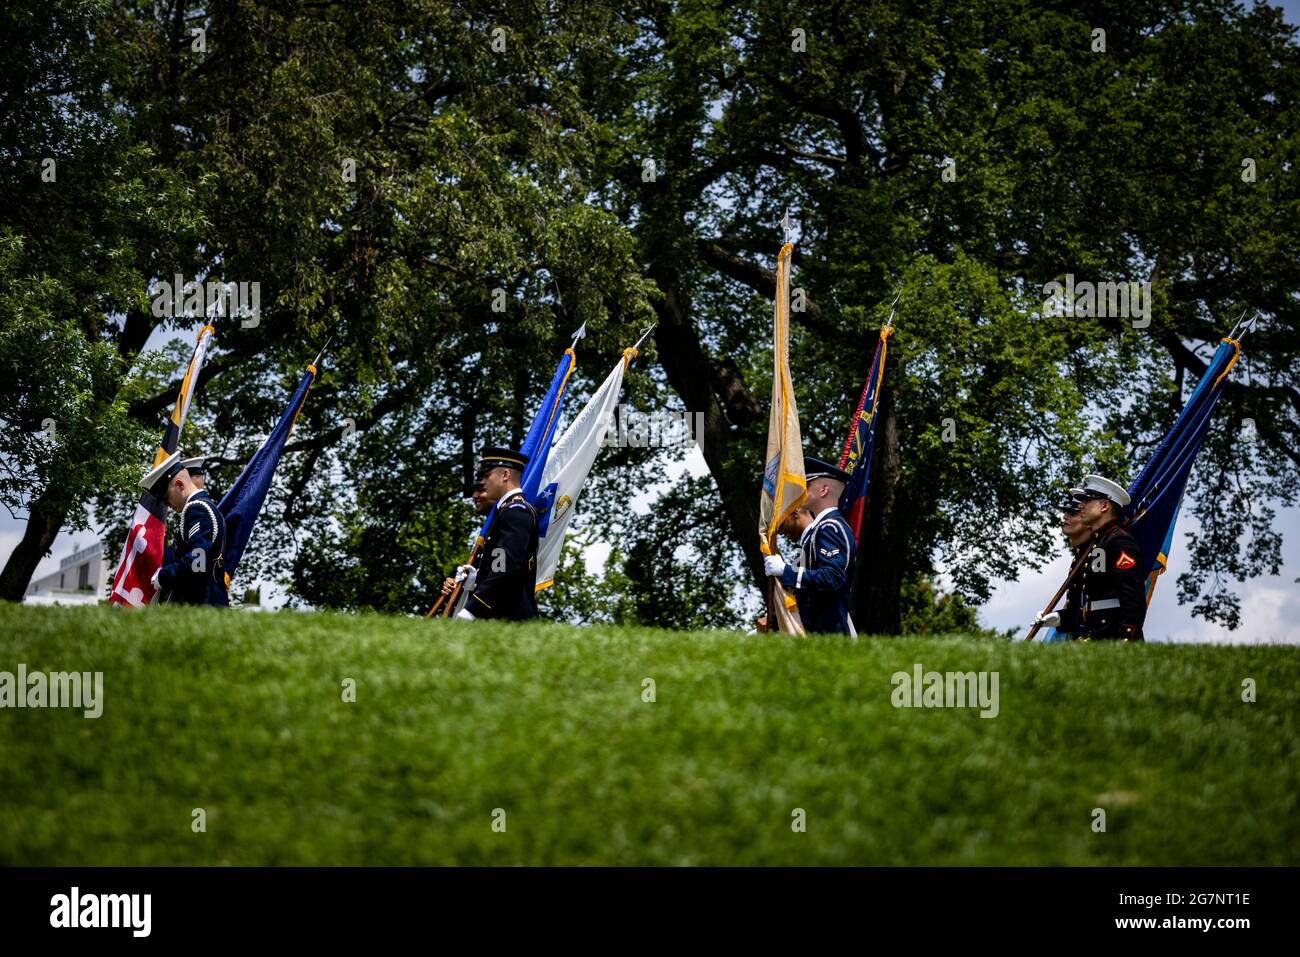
142,552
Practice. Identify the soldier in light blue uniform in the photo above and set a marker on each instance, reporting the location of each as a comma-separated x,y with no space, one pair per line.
822,578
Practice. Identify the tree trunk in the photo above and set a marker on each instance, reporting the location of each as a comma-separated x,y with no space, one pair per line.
691,375
878,579
42,528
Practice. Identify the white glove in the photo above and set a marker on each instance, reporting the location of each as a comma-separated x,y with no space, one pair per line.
154,580
1051,619
463,615
773,565
467,574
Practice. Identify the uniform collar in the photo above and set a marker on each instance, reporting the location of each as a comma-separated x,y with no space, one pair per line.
508,496
812,526
197,491
1099,535
823,513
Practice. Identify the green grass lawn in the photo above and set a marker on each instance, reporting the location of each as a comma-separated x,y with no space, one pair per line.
243,715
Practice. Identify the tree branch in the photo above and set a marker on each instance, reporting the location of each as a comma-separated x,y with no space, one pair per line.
764,281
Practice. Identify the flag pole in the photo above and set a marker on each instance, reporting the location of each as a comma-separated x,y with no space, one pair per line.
645,335
769,588
889,323
316,361
1065,586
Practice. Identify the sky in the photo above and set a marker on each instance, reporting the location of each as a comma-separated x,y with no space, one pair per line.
1270,605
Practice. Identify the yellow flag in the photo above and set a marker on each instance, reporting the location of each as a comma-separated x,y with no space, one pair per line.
784,485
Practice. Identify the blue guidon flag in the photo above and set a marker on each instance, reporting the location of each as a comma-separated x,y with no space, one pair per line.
1157,493
537,444
244,499
856,457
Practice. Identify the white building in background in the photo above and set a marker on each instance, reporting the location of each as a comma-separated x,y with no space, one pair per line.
82,579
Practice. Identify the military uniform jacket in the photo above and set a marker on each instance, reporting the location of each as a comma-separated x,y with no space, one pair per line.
1108,599
507,563
822,578
202,530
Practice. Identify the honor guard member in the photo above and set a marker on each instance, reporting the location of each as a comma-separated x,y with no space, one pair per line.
197,576
502,582
1077,534
822,578
198,475
1107,600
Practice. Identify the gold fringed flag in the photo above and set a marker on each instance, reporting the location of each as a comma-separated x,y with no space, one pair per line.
784,485
142,552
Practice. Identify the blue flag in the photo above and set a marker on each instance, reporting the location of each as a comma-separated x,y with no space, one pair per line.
537,444
1158,492
244,499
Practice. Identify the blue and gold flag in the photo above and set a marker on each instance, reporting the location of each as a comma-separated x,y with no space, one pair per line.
1157,494
244,499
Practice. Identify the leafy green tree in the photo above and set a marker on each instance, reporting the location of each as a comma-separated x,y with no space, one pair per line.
448,191
967,155
86,211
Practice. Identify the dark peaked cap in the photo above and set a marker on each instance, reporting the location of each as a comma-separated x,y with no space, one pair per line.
817,468
494,457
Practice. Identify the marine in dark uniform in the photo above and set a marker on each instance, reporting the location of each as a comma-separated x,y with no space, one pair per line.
197,574
502,580
822,578
1107,601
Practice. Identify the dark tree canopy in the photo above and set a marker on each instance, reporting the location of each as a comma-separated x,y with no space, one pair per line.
393,174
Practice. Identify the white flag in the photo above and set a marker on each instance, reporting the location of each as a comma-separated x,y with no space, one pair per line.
567,467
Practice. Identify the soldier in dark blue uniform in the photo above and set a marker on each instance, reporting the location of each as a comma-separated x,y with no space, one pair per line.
197,575
822,577
1107,600
198,475
502,581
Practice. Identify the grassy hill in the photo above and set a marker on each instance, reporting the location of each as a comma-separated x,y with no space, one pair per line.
242,715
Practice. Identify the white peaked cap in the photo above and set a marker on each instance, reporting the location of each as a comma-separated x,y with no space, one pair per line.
1095,484
159,472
